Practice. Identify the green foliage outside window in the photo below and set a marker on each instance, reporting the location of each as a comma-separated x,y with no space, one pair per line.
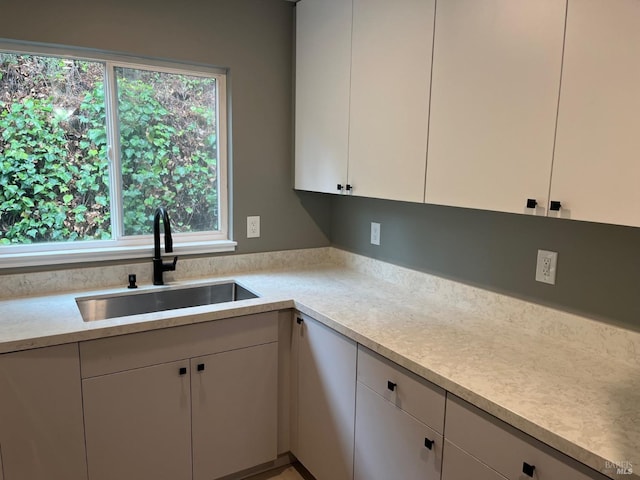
168,149
53,177
54,170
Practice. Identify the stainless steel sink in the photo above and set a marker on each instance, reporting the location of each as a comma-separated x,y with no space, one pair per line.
135,303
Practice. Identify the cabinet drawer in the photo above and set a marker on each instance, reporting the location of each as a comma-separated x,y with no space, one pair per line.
124,352
390,443
506,449
404,389
459,465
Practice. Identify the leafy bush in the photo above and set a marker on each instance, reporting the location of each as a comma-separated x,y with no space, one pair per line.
50,192
165,154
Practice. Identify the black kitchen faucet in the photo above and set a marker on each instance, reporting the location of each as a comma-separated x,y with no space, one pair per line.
158,266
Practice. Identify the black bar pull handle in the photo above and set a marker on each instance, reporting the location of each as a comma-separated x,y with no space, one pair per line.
349,187
200,367
428,443
555,206
299,320
183,370
391,386
339,187
528,469
532,203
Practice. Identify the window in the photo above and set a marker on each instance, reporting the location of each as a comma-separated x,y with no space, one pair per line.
90,147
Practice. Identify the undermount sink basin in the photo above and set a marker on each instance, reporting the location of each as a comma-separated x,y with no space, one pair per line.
135,303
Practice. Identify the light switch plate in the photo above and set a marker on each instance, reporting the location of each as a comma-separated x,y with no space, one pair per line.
375,233
546,267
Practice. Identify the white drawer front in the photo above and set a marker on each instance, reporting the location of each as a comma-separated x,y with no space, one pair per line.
459,465
507,449
391,443
124,352
407,391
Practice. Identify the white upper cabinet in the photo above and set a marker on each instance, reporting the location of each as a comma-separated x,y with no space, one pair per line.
494,101
323,65
390,81
596,170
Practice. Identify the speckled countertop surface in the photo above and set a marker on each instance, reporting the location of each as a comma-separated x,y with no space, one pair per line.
571,382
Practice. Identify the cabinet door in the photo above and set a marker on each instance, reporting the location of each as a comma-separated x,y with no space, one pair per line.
390,443
41,429
323,63
235,414
390,80
326,401
494,101
138,424
596,168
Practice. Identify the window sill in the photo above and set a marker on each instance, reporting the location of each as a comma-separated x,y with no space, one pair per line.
33,259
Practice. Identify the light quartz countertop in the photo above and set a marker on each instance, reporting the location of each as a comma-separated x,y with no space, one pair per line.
571,382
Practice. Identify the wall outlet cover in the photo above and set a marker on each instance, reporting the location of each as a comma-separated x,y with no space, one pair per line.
253,227
546,267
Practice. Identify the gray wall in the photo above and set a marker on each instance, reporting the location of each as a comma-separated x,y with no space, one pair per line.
254,39
598,265
598,272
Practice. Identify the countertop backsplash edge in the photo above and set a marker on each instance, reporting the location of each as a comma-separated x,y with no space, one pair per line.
531,318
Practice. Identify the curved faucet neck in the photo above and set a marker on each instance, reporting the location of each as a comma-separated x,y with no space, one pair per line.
161,213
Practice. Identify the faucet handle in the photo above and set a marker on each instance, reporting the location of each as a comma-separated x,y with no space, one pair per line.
170,267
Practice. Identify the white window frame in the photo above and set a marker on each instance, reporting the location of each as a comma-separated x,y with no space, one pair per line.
121,246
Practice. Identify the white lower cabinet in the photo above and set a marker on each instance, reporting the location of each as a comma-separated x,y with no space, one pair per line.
138,423
206,414
393,407
459,465
234,410
502,448
390,443
325,401
41,430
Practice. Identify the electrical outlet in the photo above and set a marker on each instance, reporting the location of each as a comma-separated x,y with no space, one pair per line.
375,233
253,227
546,267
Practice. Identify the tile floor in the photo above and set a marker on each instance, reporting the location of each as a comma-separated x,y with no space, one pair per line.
285,473
289,474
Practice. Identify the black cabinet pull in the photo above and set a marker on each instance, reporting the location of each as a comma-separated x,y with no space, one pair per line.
299,321
183,370
528,469
428,443
339,187
200,367
532,203
349,187
391,386
555,206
